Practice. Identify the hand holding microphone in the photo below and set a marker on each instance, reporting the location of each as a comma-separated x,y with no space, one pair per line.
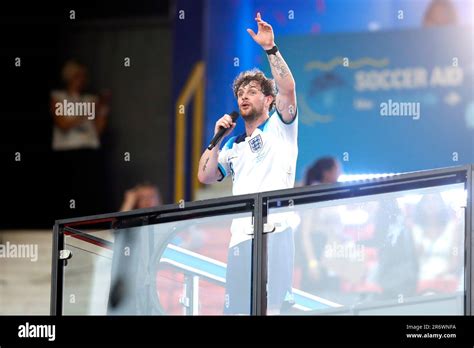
224,126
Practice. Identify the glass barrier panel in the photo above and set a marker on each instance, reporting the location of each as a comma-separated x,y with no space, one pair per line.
199,266
391,253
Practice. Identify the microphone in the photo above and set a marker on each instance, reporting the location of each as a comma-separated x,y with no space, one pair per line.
221,131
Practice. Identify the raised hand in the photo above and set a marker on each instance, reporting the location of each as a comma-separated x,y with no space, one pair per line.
264,36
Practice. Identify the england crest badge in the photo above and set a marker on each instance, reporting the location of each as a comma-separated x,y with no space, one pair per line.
256,143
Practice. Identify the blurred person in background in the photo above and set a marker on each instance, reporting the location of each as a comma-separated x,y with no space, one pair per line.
74,131
144,195
316,225
131,292
397,269
440,13
78,121
325,170
437,235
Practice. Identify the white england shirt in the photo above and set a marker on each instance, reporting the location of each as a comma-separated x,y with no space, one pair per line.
263,161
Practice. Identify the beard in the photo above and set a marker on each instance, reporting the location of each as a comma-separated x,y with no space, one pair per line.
251,113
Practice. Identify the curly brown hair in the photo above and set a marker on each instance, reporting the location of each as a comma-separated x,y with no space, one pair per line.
267,85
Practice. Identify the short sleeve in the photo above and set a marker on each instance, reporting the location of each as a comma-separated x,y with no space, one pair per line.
223,164
288,131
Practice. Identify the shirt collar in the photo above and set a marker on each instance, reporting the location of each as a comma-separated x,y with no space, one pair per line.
262,126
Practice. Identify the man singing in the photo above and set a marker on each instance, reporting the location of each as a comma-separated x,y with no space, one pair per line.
261,159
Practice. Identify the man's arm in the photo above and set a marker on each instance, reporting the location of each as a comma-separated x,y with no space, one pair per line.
209,172
208,166
286,97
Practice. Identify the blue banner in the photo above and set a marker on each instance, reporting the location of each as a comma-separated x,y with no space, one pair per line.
384,102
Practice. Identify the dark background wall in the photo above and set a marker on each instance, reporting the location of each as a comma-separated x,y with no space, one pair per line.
140,119
139,122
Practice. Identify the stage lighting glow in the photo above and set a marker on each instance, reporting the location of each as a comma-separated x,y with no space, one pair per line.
409,199
455,198
360,177
354,217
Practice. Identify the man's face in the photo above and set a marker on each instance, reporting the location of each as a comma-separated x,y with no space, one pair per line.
252,102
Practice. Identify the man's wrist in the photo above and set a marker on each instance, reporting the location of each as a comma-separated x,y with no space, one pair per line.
268,47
